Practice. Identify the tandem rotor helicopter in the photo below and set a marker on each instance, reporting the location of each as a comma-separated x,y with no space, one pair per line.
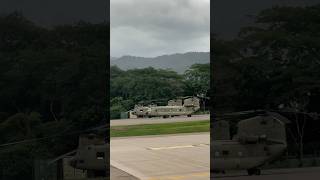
91,155
259,140
175,107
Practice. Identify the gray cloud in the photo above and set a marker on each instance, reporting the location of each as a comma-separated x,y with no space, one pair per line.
156,27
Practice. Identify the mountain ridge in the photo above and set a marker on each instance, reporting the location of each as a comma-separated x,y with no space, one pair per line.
178,62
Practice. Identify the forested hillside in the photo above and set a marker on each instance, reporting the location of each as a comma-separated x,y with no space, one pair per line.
176,62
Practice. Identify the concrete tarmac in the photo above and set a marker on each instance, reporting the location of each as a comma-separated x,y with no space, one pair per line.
165,157
311,173
117,174
158,120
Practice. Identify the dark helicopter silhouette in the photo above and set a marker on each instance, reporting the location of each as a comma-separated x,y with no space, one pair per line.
259,140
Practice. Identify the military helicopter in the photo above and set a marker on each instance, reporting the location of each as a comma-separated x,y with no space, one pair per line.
259,140
91,155
175,107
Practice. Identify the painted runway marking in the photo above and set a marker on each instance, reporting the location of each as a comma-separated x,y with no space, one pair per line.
190,176
176,147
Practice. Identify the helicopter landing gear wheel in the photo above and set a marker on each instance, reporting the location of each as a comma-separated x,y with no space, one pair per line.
254,172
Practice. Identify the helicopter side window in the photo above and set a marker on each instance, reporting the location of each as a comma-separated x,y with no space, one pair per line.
100,155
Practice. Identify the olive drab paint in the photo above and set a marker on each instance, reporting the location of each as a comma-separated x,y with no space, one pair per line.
259,140
177,107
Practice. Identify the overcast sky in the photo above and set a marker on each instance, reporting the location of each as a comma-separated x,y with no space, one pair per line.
155,27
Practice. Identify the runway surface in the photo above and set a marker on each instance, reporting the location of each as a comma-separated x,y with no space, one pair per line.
158,120
117,174
176,157
312,173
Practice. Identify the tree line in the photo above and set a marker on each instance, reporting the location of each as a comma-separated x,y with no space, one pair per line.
274,64
131,87
53,84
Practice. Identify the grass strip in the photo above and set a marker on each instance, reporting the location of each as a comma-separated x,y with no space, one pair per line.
160,129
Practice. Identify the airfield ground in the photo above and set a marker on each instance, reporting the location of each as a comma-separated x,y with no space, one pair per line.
117,174
159,129
310,173
158,120
183,156
178,156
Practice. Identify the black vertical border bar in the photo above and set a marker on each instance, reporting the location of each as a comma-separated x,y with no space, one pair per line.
211,93
107,89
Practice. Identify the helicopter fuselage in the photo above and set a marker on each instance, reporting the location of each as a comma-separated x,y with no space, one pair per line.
154,111
174,108
234,155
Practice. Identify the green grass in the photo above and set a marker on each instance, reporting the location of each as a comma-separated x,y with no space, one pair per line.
159,129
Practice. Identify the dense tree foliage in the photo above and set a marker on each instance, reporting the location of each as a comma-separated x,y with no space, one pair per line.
282,51
274,64
52,83
197,79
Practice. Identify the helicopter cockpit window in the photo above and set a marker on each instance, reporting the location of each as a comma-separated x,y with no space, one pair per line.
100,155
